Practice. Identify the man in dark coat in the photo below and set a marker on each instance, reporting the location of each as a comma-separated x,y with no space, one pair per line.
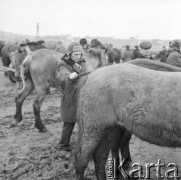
127,54
162,55
136,52
145,50
68,70
174,56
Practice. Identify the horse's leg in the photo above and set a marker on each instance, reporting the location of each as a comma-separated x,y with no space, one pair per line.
115,140
28,87
84,150
120,138
115,158
124,140
100,157
41,94
125,151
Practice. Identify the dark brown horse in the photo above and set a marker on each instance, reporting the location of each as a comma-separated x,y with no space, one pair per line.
114,55
41,67
5,52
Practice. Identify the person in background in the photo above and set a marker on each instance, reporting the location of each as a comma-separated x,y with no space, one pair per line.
84,44
110,46
127,54
41,44
174,56
145,50
162,55
60,48
27,40
136,52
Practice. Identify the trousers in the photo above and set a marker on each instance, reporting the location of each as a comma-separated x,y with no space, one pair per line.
66,133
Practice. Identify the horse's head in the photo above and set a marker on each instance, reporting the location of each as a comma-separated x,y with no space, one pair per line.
94,58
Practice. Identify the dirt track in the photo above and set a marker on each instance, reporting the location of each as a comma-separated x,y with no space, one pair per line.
26,154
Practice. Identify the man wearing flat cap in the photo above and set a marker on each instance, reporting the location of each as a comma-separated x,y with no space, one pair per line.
136,52
174,56
84,44
68,70
145,50
41,44
127,54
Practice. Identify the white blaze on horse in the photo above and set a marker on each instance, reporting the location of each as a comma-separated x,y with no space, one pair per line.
145,102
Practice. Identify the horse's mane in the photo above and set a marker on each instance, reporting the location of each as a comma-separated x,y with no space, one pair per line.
154,65
96,53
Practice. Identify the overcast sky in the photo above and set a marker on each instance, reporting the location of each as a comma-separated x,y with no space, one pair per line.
117,18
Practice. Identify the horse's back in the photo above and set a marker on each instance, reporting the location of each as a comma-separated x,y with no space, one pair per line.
154,65
134,76
43,60
43,64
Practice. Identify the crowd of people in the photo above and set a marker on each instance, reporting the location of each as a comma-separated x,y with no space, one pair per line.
171,55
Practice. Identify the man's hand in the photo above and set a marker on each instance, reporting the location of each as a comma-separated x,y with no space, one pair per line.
73,75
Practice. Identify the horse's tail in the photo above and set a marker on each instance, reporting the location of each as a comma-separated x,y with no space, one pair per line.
24,68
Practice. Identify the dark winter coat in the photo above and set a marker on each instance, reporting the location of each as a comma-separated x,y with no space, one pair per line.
174,58
68,100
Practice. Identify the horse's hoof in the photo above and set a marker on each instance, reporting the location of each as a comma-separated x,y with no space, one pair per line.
13,124
43,130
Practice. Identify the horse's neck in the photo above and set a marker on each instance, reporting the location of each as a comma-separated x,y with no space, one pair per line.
104,59
91,64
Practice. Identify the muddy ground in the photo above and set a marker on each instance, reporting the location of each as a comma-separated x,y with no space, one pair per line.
26,154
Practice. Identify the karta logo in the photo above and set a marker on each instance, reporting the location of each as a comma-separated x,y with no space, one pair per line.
138,171
123,172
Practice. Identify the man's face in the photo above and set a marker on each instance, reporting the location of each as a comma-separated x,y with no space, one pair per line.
76,56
